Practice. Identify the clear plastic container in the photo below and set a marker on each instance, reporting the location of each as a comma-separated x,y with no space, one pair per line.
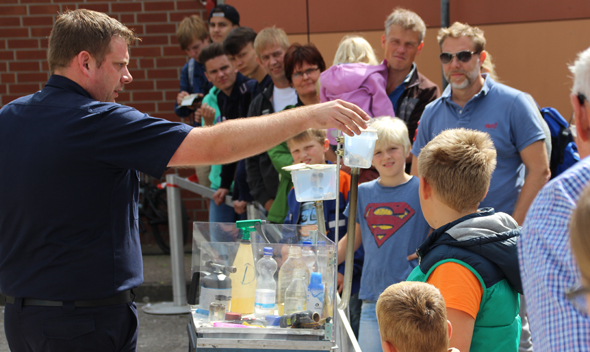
314,182
358,150
286,274
296,293
308,256
266,287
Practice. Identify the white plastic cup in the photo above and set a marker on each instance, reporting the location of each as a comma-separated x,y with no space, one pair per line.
358,150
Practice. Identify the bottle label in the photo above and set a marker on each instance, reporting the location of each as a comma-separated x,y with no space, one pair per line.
265,299
315,300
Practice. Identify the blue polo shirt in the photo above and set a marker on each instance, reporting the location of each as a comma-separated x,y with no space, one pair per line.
69,189
510,120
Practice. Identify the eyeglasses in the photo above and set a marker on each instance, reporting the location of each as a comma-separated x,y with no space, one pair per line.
581,98
308,72
463,56
577,297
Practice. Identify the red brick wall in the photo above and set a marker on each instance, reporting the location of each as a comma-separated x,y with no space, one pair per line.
155,62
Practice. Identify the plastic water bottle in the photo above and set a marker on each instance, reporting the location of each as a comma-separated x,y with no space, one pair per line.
322,260
266,288
315,294
296,293
294,262
308,255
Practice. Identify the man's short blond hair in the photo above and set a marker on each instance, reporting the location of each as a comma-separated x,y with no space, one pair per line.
391,130
80,30
408,20
412,317
309,134
458,164
459,29
270,36
190,29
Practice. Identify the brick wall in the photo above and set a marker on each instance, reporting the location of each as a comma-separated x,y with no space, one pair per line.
155,62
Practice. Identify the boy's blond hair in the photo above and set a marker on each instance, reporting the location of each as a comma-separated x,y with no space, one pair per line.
458,164
458,30
412,317
310,133
270,36
391,130
190,29
580,241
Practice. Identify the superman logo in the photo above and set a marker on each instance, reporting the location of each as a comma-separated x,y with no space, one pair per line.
384,219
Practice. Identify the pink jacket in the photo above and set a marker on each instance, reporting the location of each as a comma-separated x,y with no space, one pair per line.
359,83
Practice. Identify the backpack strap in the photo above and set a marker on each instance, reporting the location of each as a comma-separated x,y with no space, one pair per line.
191,73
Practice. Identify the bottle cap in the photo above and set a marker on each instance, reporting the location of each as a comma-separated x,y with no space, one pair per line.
306,243
233,316
273,320
268,251
316,279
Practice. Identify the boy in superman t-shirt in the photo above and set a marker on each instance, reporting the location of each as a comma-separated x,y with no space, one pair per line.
390,225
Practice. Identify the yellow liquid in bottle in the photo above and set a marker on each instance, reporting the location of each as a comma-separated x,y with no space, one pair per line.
281,309
243,281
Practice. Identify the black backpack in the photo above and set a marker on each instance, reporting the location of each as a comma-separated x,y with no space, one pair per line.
564,152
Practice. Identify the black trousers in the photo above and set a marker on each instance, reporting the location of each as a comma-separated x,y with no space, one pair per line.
36,329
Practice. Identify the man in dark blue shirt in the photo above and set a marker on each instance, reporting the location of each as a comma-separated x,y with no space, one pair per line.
69,244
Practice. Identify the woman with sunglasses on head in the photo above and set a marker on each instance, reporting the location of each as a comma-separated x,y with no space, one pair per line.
580,242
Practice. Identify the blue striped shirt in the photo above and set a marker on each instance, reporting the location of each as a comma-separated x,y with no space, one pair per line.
548,268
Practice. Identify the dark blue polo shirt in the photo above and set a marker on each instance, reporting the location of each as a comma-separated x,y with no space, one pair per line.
69,191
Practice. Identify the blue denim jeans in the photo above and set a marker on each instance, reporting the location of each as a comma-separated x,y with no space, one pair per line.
369,337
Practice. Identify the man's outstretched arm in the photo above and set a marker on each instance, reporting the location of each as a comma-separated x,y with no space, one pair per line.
237,139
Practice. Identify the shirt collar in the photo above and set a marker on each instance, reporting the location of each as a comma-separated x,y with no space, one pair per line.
409,76
63,82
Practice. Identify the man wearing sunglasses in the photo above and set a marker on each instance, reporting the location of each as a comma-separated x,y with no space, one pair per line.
548,269
473,100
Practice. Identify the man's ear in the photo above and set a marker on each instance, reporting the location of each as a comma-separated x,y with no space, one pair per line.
420,46
206,75
581,117
383,41
83,62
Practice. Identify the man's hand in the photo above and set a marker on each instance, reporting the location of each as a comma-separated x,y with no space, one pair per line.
240,206
340,114
412,256
340,282
207,113
219,195
181,96
268,204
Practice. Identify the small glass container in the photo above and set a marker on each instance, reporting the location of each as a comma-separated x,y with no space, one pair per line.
218,308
